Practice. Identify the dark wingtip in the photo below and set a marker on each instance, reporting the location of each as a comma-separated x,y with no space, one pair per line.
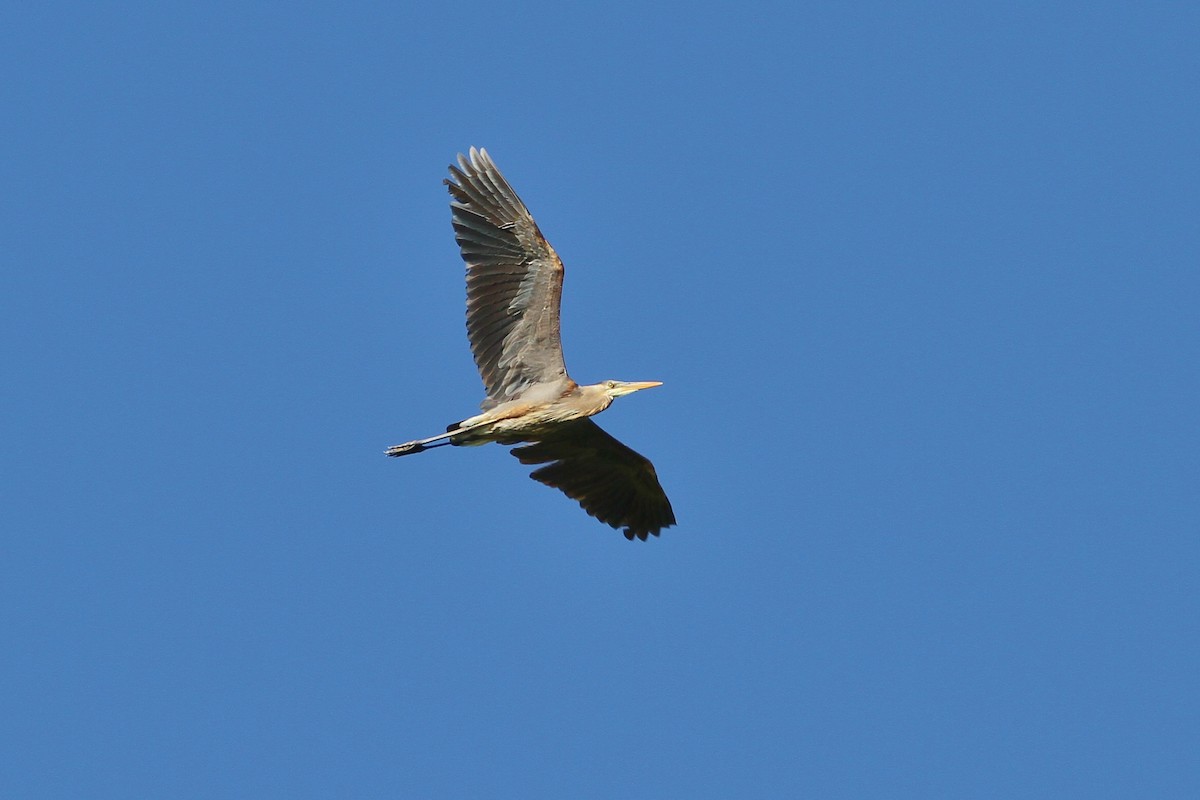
642,535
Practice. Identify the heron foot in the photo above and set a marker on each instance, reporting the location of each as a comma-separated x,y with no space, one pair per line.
404,449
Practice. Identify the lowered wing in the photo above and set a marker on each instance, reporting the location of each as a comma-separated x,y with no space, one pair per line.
611,482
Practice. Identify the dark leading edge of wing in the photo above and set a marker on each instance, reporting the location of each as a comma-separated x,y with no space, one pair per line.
514,281
611,482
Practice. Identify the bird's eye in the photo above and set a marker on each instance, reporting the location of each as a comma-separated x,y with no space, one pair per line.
612,384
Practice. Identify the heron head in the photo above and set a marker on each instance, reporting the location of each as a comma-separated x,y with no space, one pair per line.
618,388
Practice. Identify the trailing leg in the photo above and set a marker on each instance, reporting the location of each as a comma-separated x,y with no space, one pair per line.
455,431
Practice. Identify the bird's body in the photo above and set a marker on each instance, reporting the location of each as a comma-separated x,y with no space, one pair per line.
539,412
514,285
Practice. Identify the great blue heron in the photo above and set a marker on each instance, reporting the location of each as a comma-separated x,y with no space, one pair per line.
514,284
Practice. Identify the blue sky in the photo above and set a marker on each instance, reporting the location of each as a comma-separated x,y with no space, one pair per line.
920,281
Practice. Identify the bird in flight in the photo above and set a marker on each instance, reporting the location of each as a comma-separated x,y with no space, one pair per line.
514,285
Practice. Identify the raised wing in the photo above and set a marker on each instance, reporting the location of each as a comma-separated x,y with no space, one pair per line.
514,282
611,482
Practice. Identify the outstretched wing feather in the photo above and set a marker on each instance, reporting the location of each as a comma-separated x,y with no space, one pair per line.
514,281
